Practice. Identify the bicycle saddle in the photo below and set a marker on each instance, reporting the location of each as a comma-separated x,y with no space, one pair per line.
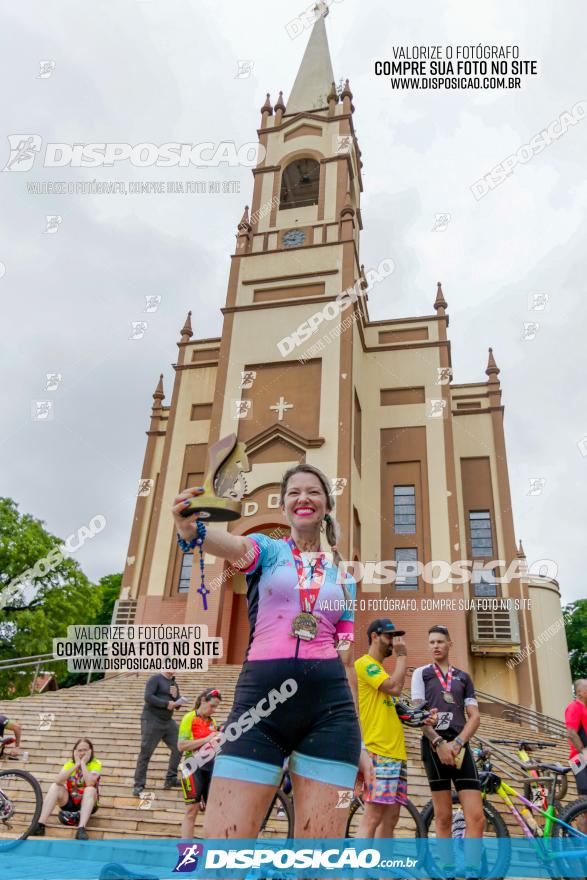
555,768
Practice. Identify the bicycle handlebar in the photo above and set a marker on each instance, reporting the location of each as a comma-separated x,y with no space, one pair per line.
527,745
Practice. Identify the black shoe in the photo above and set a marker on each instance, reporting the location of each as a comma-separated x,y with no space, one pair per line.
82,834
38,830
137,790
172,783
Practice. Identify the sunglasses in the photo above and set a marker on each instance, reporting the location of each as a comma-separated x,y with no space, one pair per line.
213,693
443,629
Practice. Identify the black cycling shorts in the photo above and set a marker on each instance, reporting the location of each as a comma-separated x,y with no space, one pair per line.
316,727
581,781
441,776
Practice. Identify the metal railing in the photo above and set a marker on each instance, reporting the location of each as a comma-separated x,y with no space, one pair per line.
523,715
36,660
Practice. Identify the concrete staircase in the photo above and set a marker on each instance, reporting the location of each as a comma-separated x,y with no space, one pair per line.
108,712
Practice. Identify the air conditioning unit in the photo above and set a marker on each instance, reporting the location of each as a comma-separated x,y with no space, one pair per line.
494,630
123,613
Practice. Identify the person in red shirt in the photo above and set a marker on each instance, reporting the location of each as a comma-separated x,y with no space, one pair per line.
196,729
576,721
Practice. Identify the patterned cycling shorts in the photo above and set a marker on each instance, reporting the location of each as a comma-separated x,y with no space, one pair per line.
391,781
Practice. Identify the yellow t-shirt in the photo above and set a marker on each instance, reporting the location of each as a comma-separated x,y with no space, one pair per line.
383,732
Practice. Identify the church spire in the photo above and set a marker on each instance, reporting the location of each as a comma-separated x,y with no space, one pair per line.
492,371
158,394
315,76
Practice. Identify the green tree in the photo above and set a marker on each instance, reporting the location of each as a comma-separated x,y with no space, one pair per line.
42,592
575,616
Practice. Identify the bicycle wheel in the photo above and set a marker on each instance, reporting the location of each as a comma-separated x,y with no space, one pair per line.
409,823
574,815
279,819
495,863
21,800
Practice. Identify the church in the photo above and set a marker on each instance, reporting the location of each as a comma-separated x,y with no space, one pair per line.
300,373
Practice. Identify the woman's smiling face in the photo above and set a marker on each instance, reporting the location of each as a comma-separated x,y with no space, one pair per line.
304,502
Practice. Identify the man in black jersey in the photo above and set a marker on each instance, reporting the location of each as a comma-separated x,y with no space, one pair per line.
445,751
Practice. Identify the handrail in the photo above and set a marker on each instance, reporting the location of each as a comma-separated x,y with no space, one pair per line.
32,660
538,719
525,715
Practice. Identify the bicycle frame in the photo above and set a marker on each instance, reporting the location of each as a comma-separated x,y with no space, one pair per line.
523,817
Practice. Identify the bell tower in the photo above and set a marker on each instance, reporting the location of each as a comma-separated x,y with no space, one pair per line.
296,252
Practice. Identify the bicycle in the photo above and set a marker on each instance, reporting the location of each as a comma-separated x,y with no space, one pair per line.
555,826
21,800
409,824
533,790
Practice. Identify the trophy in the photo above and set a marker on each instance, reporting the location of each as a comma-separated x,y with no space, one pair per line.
221,501
224,483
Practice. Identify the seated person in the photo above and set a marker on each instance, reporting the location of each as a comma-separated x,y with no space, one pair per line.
196,729
75,791
8,750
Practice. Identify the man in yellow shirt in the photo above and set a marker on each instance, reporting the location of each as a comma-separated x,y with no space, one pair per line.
383,735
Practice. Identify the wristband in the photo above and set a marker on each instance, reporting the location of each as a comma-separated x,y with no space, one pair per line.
363,746
401,652
460,741
436,742
184,545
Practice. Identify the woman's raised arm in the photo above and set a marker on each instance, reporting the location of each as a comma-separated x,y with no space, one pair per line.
234,548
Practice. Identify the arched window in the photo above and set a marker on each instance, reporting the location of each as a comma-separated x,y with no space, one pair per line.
299,184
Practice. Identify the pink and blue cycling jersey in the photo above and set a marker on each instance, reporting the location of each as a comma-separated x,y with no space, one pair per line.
274,601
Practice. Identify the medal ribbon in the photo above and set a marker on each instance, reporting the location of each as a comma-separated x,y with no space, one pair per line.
308,594
445,683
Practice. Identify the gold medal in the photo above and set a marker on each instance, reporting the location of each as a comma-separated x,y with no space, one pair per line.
448,697
304,626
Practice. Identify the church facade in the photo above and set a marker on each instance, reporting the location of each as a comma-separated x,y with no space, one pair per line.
300,373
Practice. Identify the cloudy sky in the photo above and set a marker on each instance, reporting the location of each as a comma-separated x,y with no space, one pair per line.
135,71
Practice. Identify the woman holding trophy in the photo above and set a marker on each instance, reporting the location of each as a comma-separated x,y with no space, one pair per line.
301,633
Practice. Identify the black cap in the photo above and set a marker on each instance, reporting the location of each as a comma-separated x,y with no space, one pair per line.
383,625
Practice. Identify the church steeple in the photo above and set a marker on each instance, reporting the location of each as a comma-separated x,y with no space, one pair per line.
315,76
